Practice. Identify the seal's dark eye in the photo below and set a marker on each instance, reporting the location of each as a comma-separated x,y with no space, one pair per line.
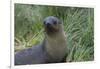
55,22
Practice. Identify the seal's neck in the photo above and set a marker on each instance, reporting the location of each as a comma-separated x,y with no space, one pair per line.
56,46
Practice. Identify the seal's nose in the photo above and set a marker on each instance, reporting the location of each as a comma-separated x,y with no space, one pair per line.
47,23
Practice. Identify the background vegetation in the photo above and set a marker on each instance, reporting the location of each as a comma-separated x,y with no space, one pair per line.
78,25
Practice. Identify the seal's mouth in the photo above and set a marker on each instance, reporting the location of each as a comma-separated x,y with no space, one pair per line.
51,29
